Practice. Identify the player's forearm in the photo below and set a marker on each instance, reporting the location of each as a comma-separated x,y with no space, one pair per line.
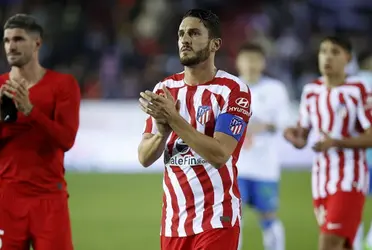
257,128
297,136
64,135
362,141
62,127
11,131
151,149
303,133
205,146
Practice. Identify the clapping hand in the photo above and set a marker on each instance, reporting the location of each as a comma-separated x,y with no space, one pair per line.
161,107
295,136
18,91
323,145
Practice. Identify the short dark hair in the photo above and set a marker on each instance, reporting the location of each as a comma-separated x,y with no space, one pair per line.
210,20
251,47
24,21
341,41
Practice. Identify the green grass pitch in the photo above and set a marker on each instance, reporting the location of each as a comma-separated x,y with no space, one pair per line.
122,212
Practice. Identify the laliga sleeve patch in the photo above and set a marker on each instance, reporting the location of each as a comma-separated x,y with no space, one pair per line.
231,125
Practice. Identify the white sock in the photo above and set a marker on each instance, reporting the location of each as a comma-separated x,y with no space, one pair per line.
369,237
358,241
274,236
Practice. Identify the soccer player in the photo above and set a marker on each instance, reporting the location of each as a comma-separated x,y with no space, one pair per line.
33,196
259,168
198,119
338,111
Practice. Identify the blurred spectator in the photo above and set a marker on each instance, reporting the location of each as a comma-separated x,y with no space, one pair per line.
116,48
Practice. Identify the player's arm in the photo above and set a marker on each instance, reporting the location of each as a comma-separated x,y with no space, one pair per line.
277,116
217,149
364,114
298,135
257,127
280,108
62,129
154,139
362,141
153,143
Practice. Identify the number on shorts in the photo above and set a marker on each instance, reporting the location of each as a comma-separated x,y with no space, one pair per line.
1,234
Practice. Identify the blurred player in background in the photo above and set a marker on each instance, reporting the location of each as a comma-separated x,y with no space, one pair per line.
198,119
259,168
33,196
365,67
365,72
338,110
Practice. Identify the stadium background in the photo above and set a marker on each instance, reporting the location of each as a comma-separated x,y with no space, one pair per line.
117,48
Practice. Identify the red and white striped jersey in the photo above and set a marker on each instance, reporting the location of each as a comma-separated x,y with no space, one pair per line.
198,197
341,112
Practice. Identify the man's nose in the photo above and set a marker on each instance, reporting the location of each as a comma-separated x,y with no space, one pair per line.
185,39
12,45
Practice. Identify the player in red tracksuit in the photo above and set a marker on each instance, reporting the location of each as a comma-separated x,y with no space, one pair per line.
33,196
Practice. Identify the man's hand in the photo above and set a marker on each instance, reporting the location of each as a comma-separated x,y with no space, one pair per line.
160,107
324,144
18,91
163,128
295,136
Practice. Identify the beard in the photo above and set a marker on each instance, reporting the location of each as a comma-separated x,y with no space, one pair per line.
199,57
20,61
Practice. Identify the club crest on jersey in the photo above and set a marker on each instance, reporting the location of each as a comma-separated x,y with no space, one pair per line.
236,125
204,114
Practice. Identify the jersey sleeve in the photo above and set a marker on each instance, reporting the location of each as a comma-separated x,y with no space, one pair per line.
364,111
150,124
235,114
304,112
62,129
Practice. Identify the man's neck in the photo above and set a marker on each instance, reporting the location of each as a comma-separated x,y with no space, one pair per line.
335,80
31,72
251,79
200,74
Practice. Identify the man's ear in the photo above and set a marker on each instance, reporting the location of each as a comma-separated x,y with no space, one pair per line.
216,44
38,42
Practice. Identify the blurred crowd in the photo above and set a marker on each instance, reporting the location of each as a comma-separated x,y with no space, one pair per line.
116,48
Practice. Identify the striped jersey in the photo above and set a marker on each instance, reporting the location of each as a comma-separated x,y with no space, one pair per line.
198,197
341,112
